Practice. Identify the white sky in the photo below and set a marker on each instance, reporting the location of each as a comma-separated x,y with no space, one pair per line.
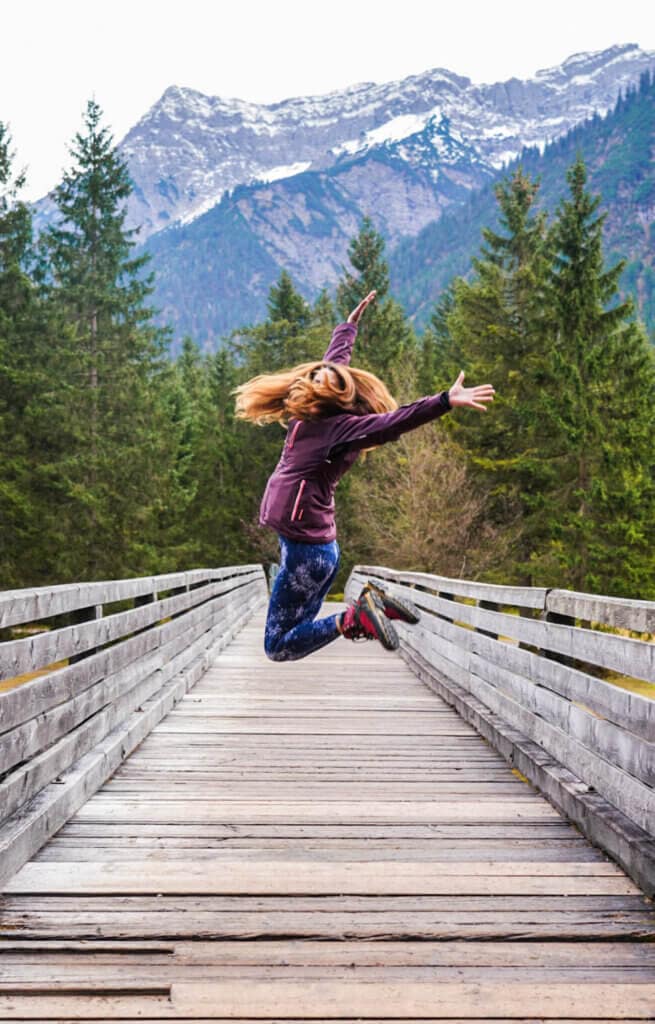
56,54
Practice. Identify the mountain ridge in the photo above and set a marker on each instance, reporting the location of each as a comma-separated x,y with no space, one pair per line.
189,148
289,182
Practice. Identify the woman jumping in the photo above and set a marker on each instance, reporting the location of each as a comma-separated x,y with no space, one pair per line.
332,411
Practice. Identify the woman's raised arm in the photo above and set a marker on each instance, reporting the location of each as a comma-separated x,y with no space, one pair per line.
379,428
343,337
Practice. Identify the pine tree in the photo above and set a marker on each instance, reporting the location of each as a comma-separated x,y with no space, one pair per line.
323,312
31,342
192,375
600,408
285,303
366,254
383,336
17,308
496,327
204,471
115,480
291,334
15,232
440,359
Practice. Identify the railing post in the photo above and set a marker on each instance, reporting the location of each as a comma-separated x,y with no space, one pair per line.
446,597
564,620
84,615
491,606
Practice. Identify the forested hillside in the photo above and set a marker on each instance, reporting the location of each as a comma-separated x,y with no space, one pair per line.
116,460
618,151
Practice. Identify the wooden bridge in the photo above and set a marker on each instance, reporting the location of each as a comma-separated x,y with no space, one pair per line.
461,831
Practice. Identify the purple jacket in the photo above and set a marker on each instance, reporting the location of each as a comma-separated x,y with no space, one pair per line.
299,498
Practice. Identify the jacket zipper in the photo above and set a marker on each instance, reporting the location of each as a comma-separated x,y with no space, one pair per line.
301,488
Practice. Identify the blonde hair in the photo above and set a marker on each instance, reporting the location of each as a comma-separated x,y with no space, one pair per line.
276,397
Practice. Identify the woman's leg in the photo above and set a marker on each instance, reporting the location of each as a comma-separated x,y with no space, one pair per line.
306,574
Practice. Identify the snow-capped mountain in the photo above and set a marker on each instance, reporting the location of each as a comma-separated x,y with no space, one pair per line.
189,148
214,271
227,192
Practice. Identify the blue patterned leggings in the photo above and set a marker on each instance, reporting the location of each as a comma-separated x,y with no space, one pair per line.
306,572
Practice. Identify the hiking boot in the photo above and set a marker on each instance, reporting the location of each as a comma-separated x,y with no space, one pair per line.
394,608
366,619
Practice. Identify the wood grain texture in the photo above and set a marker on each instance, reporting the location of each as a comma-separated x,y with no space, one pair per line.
629,656
33,603
319,840
38,796
49,646
528,684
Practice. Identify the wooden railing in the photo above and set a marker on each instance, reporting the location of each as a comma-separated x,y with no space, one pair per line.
532,670
107,661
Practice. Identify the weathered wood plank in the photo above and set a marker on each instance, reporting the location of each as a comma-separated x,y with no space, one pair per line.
44,1009
93,977
524,597
30,653
380,864
297,877
329,999
621,612
596,956
62,751
139,848
33,603
344,790
207,924
571,907
26,830
539,831
622,654
551,955
346,812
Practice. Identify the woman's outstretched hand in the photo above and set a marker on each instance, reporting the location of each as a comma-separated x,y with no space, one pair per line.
358,310
471,398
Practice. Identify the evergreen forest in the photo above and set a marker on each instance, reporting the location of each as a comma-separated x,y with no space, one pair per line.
117,460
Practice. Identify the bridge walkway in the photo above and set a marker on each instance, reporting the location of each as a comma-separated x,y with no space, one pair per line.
321,839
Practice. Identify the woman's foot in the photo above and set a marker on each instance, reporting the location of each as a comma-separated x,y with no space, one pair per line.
394,608
366,619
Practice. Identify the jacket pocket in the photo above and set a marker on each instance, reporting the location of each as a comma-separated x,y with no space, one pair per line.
294,510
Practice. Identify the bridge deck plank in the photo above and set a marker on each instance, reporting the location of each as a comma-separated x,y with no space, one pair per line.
321,839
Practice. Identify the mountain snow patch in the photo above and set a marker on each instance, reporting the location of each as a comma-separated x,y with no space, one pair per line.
391,131
283,171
